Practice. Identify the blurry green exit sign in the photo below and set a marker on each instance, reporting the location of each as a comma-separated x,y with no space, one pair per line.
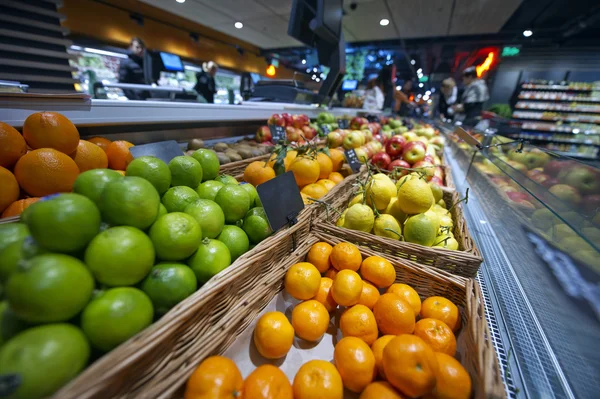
424,79
510,51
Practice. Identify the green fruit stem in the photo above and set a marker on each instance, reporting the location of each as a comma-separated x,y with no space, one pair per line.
465,199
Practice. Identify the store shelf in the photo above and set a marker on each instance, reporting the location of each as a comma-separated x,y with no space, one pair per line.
576,155
545,106
558,87
539,116
525,136
556,128
556,96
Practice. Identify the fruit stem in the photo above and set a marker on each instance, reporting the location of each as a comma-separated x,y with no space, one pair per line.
445,241
466,200
395,232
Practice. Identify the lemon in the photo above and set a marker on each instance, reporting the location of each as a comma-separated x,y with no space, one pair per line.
359,217
401,181
341,220
387,226
438,194
441,203
356,200
434,216
415,196
393,209
420,229
446,241
445,220
380,190
440,209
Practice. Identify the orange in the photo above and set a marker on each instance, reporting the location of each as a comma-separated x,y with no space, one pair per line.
46,171
118,154
377,348
217,377
267,382
100,142
314,190
378,271
358,321
12,145
50,130
325,165
324,294
394,315
410,365
305,170
337,159
345,256
310,320
328,184
369,295
440,308
437,334
258,172
289,158
273,335
346,288
355,362
336,177
318,255
331,273
10,188
380,390
407,293
318,379
89,156
453,381
17,207
302,281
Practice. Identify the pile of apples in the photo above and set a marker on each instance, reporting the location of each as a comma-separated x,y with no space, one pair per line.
362,136
297,128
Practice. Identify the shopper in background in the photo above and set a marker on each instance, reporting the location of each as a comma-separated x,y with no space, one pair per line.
475,94
206,85
402,104
131,69
448,97
387,77
374,98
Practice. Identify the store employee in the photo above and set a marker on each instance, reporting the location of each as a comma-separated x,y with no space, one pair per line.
206,85
131,70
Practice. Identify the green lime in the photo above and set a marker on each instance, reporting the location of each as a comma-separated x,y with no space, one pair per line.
177,198
256,225
421,229
44,359
209,162
91,183
162,211
168,284
49,288
11,232
65,223
209,215
10,256
235,239
131,201
152,169
185,171
175,236
252,193
211,257
120,255
116,315
226,179
234,201
209,189
10,324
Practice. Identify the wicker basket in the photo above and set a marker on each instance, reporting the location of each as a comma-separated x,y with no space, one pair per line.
238,167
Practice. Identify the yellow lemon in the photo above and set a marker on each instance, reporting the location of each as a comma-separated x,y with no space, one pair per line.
387,226
359,217
415,196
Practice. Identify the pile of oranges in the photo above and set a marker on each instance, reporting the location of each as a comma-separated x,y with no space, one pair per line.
47,158
394,345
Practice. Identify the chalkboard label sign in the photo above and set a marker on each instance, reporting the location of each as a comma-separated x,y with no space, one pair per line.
281,200
325,130
352,160
277,133
163,150
343,123
9,383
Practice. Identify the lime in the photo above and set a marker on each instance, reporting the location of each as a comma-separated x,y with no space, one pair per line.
162,211
252,193
168,284
420,229
236,240
91,183
11,232
209,162
256,225
131,201
209,215
185,171
152,169
387,226
234,201
209,189
10,324
211,257
446,241
120,255
116,315
393,209
177,198
226,179
175,236
44,359
65,223
49,288
10,256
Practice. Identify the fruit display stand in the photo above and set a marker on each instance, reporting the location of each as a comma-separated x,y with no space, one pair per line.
237,168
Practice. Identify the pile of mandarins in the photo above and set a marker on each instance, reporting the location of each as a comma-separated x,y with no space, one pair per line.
385,352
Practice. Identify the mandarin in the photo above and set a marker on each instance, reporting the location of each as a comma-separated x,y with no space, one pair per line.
335,177
325,165
345,256
324,294
380,390
100,142
355,362
310,320
337,159
394,315
314,190
318,379
453,381
50,130
305,169
378,271
10,188
358,321
12,145
437,334
328,184
46,171
267,382
440,308
119,155
377,348
215,377
318,255
369,295
407,293
302,281
331,273
258,172
89,156
17,207
273,335
346,288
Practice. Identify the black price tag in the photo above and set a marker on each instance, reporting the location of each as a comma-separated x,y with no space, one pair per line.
9,383
352,160
281,200
277,133
325,130
343,123
163,150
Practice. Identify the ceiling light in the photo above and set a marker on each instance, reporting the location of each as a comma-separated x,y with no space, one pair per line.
421,85
527,33
315,69
180,1
238,25
103,52
413,62
318,80
427,93
322,75
420,70
384,22
398,87
303,61
313,77
425,97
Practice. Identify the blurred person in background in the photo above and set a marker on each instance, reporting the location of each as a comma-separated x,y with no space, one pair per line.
131,69
472,99
448,96
374,93
206,85
402,104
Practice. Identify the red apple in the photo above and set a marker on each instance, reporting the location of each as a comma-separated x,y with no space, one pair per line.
263,134
553,167
439,173
375,127
413,152
381,160
590,204
366,126
399,163
437,180
309,132
357,122
378,137
395,145
425,167
287,118
428,158
540,177
276,120
551,182
334,139
518,195
293,134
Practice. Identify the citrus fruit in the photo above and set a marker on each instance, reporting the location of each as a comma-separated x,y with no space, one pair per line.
161,211
167,284
46,171
209,189
92,183
324,294
345,256
226,179
252,193
65,223
152,169
394,210
236,240
437,192
121,255
380,190
377,348
318,256
415,196
209,216
17,207
420,229
302,281
115,315
325,165
256,225
369,295
258,172
452,380
119,155
267,382
394,315
310,320
10,324
176,199
12,145
211,257
440,308
347,288
437,334
49,288
175,236
387,226
446,241
273,335
378,271
185,171
305,169
358,321
314,190
337,159
216,377
355,363
410,365
89,156
234,201
209,162
12,232
130,201
331,273
358,199
380,390
100,142
336,177
44,358
10,188
50,130
328,184
12,254
318,379
359,217
407,293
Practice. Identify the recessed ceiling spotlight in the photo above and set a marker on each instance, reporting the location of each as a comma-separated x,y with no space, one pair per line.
180,1
420,70
527,33
413,62
384,22
315,69
318,80
307,70
303,61
421,85
238,25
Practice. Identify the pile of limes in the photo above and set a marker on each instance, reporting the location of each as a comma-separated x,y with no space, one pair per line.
90,269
